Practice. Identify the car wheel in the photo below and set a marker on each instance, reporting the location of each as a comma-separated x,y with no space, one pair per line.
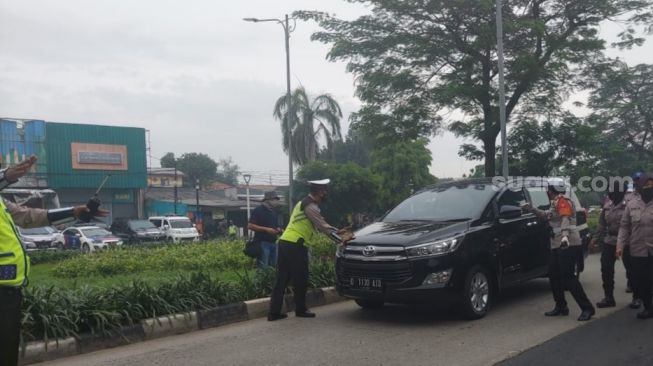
477,293
369,304
86,248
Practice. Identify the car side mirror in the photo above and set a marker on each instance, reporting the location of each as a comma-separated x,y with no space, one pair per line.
508,212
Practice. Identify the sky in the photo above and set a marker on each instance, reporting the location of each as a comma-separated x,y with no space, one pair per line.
192,73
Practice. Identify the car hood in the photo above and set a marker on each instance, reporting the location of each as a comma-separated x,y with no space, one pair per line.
407,233
48,237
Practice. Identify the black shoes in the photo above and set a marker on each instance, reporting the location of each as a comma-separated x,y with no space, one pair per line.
645,314
586,315
635,304
305,314
558,311
272,317
607,302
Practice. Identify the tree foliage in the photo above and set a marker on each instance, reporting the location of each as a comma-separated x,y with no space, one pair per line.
354,148
403,168
353,189
414,60
228,172
310,120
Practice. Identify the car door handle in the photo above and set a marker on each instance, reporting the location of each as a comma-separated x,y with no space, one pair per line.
531,223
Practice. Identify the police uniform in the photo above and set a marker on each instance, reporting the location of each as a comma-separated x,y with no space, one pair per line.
636,230
566,246
15,267
292,260
608,230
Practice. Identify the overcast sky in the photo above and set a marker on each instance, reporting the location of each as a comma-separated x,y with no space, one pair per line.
191,72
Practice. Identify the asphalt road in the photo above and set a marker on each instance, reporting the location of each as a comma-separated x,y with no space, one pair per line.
395,335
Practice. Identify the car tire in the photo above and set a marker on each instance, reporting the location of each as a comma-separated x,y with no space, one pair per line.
477,293
86,248
369,304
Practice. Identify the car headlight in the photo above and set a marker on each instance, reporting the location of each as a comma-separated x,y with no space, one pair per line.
435,248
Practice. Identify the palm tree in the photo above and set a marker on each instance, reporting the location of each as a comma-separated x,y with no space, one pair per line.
308,121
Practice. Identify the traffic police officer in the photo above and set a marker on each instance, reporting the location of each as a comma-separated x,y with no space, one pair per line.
608,229
14,262
636,230
292,261
566,246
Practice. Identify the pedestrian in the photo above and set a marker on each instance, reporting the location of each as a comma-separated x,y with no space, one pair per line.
14,263
305,223
607,232
566,246
632,191
232,230
636,230
264,221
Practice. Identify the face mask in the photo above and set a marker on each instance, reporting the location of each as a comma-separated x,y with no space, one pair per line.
616,197
274,203
647,194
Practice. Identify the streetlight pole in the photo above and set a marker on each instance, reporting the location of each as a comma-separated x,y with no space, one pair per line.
197,199
285,24
247,178
502,92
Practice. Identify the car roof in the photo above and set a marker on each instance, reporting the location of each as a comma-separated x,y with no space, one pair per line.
84,227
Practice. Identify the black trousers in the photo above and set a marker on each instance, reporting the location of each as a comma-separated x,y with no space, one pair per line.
627,264
292,265
608,258
642,271
10,304
561,277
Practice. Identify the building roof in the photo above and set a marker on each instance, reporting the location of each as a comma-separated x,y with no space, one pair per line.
187,196
220,185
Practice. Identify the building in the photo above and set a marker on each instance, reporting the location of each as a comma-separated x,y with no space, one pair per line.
165,177
76,159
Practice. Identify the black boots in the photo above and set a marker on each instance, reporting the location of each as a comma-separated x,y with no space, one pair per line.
645,314
557,311
272,317
305,314
607,302
586,315
635,304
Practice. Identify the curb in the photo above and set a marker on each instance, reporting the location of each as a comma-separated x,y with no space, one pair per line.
169,325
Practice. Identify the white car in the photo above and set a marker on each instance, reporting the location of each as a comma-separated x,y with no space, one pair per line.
38,237
87,238
176,228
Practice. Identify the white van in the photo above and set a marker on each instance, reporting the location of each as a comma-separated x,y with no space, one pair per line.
176,228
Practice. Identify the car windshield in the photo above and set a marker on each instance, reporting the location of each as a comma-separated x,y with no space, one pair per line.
181,224
141,225
444,203
95,232
45,230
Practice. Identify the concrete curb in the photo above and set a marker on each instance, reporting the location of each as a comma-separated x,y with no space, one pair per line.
169,325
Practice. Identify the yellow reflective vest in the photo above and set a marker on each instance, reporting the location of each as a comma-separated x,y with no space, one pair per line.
300,226
14,262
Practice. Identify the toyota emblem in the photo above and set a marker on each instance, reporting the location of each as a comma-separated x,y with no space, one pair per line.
369,251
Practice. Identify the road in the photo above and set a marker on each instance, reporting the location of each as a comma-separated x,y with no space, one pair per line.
346,335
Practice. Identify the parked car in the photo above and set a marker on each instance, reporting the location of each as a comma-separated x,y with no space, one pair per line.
136,230
87,239
457,243
38,237
176,228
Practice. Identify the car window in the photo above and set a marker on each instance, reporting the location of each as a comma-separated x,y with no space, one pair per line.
512,198
95,232
70,231
140,224
181,224
443,203
539,197
156,222
45,230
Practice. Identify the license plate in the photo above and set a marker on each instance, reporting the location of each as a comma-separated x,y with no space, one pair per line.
366,283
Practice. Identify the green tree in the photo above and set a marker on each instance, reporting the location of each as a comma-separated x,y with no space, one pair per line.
168,160
354,148
309,119
415,59
403,168
228,172
197,166
353,189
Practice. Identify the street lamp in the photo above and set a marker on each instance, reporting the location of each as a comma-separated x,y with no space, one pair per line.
197,201
286,32
502,92
247,177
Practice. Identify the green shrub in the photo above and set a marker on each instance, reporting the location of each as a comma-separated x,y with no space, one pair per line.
51,256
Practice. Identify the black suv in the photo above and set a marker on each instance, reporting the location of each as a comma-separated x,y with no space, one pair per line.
454,243
136,230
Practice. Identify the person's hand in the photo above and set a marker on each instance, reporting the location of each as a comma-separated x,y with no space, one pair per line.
526,207
593,244
14,172
564,242
78,211
271,230
619,253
